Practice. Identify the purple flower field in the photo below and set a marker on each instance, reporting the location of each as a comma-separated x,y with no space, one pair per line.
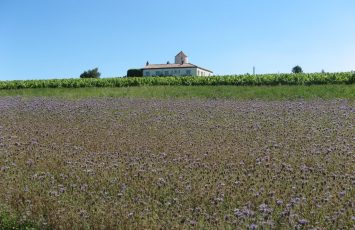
149,163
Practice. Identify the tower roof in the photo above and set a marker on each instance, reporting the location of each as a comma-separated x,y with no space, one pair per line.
182,54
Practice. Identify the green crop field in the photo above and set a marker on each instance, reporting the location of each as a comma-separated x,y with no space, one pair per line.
241,80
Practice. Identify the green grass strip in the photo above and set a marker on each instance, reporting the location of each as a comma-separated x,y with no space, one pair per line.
206,92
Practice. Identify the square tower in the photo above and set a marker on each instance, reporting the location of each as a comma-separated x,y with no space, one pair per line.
181,58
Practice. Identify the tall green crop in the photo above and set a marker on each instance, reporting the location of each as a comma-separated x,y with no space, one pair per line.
247,80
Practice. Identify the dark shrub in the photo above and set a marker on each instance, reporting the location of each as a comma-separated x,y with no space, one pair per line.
297,69
94,73
135,73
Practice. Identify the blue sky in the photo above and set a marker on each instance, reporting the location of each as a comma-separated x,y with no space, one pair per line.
42,39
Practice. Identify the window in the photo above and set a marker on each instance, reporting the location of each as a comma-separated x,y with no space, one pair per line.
188,72
166,73
147,74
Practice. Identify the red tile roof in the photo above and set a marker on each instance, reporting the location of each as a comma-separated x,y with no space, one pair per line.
173,66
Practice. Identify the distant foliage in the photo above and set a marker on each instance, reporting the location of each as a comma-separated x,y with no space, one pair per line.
352,78
94,73
247,80
135,73
297,69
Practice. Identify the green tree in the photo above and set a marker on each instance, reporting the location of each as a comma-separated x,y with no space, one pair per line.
297,69
93,73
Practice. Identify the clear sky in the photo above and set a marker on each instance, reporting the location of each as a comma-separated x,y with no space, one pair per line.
42,39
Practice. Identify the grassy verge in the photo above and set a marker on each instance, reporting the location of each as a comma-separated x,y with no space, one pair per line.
207,92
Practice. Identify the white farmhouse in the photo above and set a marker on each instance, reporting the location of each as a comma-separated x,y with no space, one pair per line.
181,67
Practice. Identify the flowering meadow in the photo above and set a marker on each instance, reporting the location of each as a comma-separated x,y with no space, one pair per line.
119,163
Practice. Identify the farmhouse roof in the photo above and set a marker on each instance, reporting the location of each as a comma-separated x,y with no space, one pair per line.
173,66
